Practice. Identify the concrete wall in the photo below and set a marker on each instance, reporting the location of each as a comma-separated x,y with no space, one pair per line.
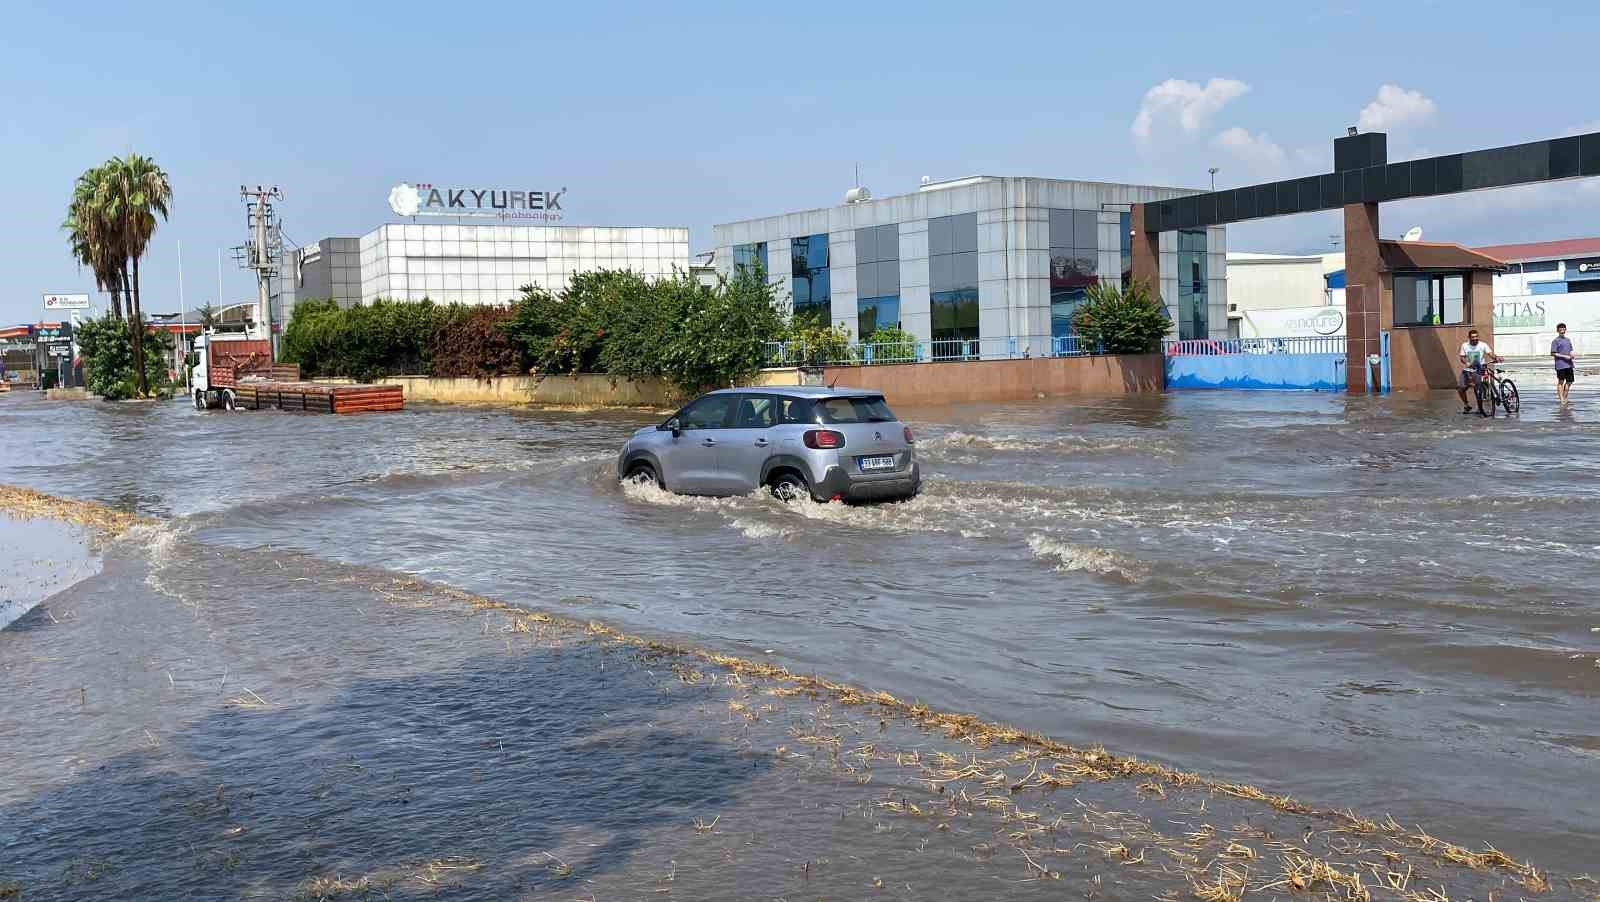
565,391
1004,380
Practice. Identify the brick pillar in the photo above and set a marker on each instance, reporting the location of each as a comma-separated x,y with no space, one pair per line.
1364,300
1146,254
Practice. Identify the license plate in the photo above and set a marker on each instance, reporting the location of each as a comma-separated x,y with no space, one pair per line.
877,463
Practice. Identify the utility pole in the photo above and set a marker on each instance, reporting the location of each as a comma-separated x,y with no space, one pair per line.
262,251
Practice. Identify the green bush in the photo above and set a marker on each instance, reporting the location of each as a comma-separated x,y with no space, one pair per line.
813,345
108,358
366,342
612,322
892,344
1121,320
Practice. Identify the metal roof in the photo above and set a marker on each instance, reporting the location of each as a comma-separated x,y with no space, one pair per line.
1543,250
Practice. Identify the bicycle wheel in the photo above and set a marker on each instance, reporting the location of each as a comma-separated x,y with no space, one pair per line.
1485,397
1509,399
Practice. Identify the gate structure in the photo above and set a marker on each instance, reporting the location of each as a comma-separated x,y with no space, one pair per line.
1363,178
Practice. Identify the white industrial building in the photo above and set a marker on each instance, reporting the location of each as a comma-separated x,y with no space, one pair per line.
995,259
468,264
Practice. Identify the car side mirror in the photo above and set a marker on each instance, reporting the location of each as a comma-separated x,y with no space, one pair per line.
672,426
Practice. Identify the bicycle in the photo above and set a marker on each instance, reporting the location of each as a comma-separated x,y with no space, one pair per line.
1494,388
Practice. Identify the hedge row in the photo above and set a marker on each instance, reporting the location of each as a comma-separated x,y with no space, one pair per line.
612,322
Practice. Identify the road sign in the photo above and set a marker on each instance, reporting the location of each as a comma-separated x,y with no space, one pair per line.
66,302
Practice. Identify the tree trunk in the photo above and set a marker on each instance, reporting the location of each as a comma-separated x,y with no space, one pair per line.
135,326
116,301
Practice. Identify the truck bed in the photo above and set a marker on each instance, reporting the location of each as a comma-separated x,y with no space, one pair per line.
268,394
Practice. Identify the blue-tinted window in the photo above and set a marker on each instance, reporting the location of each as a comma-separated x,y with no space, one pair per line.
953,281
1193,311
1074,264
808,269
877,313
749,256
1547,288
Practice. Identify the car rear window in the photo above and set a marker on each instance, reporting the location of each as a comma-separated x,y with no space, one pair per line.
871,409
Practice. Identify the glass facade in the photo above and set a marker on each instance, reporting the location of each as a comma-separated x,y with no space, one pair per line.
1074,252
877,279
1193,311
813,297
953,280
1430,299
746,256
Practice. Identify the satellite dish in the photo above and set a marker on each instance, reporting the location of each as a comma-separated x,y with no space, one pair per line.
1412,234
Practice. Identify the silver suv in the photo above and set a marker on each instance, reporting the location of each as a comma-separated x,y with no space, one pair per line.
835,444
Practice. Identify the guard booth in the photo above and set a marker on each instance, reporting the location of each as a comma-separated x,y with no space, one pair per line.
1434,294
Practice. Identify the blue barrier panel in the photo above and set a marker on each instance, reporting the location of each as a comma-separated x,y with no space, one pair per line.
1260,372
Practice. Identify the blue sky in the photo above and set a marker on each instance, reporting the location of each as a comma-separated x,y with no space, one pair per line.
669,114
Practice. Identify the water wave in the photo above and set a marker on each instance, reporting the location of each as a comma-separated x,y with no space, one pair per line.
1102,561
1070,444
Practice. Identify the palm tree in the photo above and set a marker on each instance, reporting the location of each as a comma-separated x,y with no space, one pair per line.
208,316
132,192
91,238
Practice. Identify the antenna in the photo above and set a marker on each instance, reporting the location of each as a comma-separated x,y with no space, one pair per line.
857,182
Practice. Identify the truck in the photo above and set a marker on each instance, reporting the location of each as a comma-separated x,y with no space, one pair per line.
239,374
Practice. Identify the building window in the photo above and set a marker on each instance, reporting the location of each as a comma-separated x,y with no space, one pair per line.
1127,250
750,258
813,298
953,283
1193,312
877,279
1074,262
1430,299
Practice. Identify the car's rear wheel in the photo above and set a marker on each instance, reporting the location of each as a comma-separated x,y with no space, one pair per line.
788,486
643,474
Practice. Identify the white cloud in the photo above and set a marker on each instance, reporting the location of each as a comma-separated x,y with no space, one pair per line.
1186,104
1395,106
1258,154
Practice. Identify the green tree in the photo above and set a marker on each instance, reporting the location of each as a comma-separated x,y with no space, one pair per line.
93,240
1121,320
208,316
132,192
722,335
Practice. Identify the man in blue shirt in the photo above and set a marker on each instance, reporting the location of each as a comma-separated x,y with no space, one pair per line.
1566,369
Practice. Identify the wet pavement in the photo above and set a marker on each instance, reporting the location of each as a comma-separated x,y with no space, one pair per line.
1373,604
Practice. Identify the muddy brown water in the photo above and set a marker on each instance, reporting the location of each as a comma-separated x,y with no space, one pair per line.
1375,604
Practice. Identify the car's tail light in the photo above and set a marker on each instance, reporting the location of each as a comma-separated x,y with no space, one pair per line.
909,439
824,438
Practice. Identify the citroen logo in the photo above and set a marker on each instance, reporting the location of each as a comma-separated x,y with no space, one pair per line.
878,436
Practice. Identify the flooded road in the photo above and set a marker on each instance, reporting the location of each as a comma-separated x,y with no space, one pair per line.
1376,604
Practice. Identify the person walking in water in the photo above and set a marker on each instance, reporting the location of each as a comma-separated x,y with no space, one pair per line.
1566,362
1475,360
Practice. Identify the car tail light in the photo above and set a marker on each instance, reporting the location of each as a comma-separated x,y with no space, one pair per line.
909,439
824,438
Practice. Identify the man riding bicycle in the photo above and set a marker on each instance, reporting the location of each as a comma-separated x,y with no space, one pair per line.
1476,358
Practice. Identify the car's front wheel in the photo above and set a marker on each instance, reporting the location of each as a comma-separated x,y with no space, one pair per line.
789,486
643,474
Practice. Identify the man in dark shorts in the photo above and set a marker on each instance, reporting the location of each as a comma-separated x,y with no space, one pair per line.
1476,358
1566,362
